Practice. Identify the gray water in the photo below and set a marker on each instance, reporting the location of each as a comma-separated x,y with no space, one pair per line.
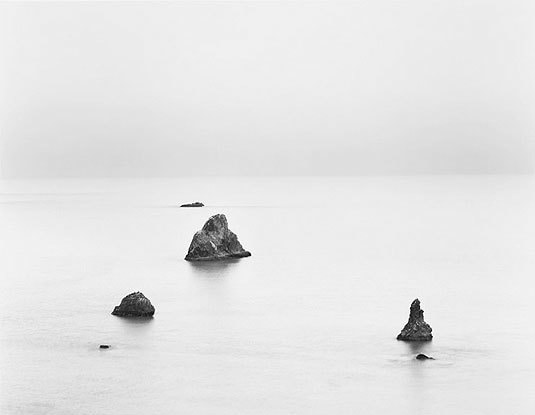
307,325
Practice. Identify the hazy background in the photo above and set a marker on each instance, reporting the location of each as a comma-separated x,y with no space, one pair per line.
261,88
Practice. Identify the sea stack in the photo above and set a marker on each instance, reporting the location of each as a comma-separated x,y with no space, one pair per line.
215,241
416,328
134,305
194,204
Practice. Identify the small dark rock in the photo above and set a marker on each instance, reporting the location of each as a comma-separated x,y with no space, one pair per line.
215,241
422,356
104,346
194,204
134,305
416,328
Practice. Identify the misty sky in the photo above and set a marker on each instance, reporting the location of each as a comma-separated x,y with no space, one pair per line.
267,88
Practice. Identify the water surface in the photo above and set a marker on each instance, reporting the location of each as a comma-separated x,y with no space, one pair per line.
307,325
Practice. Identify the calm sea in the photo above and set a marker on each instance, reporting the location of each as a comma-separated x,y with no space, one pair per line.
307,325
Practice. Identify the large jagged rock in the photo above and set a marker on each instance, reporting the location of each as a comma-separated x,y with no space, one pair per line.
416,328
134,305
215,241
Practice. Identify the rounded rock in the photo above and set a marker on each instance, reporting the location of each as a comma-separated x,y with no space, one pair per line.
134,305
422,356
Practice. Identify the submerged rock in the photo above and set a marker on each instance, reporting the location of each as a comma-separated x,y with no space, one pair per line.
416,328
134,305
215,241
422,356
194,204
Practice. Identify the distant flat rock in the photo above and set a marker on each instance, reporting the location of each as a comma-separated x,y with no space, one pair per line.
215,241
194,204
416,328
134,305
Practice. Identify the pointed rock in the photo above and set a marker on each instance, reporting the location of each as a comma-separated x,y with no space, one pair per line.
215,241
134,305
416,328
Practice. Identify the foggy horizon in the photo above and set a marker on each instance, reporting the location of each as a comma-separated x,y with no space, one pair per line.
155,89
